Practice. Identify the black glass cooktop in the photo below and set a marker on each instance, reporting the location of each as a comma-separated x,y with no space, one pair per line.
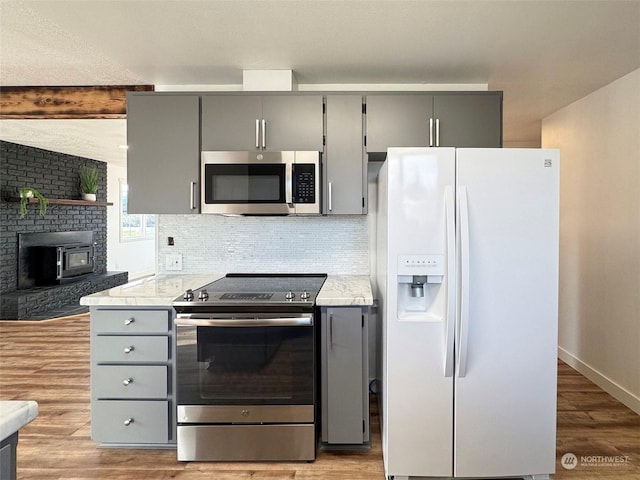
251,289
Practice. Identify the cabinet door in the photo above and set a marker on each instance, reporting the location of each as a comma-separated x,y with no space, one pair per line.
229,122
163,154
345,184
344,367
293,122
397,121
469,120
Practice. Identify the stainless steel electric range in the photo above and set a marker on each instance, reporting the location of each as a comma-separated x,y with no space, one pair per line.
246,368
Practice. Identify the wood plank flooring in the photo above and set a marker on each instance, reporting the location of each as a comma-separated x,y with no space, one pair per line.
48,361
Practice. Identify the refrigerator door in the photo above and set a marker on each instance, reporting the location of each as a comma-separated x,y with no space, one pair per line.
417,391
505,383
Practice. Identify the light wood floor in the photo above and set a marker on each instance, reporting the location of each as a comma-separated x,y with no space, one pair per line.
48,361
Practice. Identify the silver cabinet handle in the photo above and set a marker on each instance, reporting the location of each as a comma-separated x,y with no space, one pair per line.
431,132
129,321
128,422
331,332
127,381
264,133
257,133
192,193
437,132
330,197
129,349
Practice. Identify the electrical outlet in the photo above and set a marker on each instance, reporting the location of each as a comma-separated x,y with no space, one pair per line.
173,261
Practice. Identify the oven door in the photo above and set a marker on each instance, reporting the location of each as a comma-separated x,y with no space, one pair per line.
234,360
241,183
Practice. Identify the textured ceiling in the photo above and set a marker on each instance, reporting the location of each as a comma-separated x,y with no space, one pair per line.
542,54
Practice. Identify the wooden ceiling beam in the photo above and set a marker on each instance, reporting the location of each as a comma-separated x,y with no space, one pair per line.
67,102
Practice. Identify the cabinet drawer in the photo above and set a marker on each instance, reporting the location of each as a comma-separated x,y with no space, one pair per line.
119,421
129,381
130,321
130,349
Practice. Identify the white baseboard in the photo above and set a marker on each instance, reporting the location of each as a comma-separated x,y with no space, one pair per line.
608,385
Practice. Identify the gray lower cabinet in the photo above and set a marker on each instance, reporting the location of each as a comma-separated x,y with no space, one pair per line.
130,422
344,367
462,119
8,453
262,122
345,170
132,376
163,153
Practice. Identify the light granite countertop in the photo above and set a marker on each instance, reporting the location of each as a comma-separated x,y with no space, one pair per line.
161,290
345,290
157,290
15,414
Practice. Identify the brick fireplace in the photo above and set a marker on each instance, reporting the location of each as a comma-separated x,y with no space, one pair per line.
55,175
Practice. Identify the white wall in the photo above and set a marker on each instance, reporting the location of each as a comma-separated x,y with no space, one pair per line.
136,257
599,325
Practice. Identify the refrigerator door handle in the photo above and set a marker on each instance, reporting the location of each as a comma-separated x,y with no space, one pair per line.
450,317
463,215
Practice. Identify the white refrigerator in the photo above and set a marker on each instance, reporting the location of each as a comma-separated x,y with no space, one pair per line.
468,284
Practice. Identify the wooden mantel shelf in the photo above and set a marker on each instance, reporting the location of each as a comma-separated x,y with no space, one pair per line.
64,201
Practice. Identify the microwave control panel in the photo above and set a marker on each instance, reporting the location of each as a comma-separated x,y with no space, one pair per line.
304,183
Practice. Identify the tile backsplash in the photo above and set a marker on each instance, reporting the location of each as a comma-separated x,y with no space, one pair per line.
211,243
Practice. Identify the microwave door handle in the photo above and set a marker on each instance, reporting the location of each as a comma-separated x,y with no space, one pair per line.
288,184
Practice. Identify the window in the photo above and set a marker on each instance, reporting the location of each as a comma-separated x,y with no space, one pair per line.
134,226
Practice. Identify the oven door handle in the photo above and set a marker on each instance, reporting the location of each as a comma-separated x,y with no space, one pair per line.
210,321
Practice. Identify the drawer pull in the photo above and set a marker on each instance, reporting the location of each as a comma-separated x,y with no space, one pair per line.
129,321
127,381
129,349
128,422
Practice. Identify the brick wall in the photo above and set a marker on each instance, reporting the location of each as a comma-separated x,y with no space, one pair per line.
55,175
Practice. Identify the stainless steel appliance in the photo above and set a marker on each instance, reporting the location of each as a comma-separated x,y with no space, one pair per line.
260,183
246,369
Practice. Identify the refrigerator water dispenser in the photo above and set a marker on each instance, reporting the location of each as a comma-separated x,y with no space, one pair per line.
420,279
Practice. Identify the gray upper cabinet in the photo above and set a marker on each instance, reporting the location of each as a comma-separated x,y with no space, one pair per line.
229,122
346,182
397,121
163,154
468,120
262,122
465,119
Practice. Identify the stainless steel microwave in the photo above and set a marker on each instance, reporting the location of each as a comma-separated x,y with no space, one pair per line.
260,183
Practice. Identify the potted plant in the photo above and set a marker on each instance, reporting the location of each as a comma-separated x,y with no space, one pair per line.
29,192
89,182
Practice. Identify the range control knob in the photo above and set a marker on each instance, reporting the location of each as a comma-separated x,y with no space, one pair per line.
289,295
188,295
203,295
305,295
